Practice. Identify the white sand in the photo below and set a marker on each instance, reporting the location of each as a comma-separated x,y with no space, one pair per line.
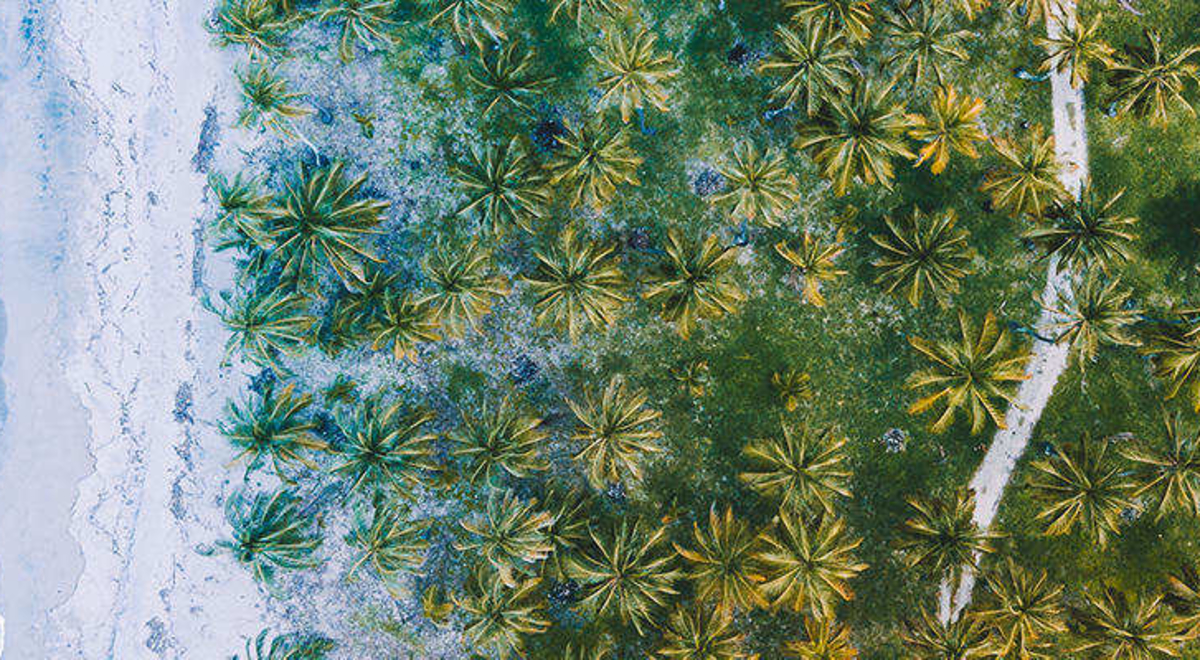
1048,361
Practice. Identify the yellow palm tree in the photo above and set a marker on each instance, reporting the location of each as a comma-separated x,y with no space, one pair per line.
721,562
758,186
633,73
694,283
814,261
951,126
806,565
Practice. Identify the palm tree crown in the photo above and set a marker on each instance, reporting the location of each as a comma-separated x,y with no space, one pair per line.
1086,232
269,534
804,468
1083,486
720,563
923,253
267,102
1148,83
389,542
405,323
1021,610
694,282
577,285
815,63
1170,473
964,638
852,16
925,42
499,440
503,190
265,325
271,427
806,565
1176,353
367,22
499,617
952,125
814,261
825,639
616,428
381,447
510,535
592,160
1098,313
1027,180
633,73
1119,628
1077,47
505,76
463,288
627,572
942,534
758,186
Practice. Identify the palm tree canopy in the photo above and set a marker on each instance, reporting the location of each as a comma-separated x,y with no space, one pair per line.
814,62
1027,180
1149,83
628,572
694,282
942,533
804,468
1086,232
923,253
578,285
720,562
1022,610
1169,471
1081,484
634,73
952,126
806,565
616,428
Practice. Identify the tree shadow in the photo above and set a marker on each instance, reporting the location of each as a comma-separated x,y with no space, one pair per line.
1169,224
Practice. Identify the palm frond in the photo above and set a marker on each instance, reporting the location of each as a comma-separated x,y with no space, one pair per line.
695,282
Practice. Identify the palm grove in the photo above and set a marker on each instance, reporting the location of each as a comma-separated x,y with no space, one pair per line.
864,89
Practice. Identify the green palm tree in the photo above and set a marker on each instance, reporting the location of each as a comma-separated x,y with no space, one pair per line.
592,159
634,74
806,564
266,101
389,543
321,223
815,63
405,323
581,10
814,261
952,126
627,572
923,252
368,22
804,468
1086,232
1077,47
616,428
942,534
1081,485
1176,353
856,136
1183,597
498,618
1098,313
271,427
505,76
926,42
568,532
692,376
758,187
475,21
825,639
510,535
363,304
577,285
1022,611
264,325
1148,83
1170,473
791,385
694,633
503,189
721,562
253,24
852,16
1117,629
973,374
1027,180
381,447
964,638
464,289
291,646
500,440
244,211
269,534
695,282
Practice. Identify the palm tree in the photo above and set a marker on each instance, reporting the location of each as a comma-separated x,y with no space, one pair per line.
758,187
1183,596
1027,179
692,377
616,428
271,427
500,439
265,324
964,638
405,323
504,74
856,137
975,373
791,385
815,63
250,23
502,188
511,536
292,646
825,639
244,210
568,531
1171,473
1097,313
433,605
1117,629
1176,353
320,223
592,159
269,534
1022,610
952,126
363,304
577,285
627,572
267,103
633,73
1086,232
1035,11
581,9
971,7
1147,82
924,252
804,468
853,16
392,545
721,563
341,390
814,262
1077,47
499,617
806,564
382,448
1081,484
363,21
476,21
463,288
694,283
696,634
942,534
925,41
